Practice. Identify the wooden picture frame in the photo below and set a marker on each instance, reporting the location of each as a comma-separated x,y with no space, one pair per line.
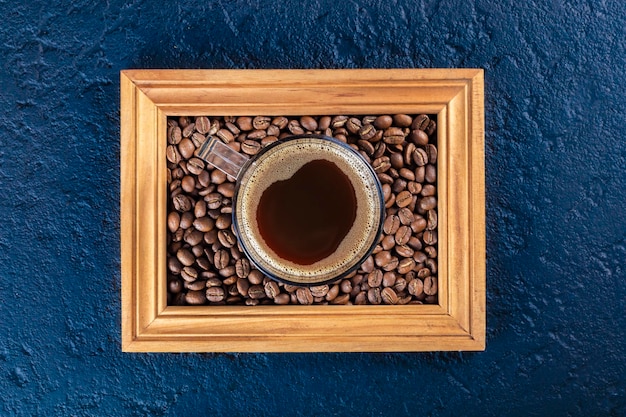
457,322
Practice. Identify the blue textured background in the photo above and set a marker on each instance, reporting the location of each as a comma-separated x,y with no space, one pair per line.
555,158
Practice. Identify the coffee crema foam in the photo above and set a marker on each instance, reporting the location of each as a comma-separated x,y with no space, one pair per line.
280,163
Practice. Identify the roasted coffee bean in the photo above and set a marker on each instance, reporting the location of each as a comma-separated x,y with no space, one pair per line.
360,298
382,258
173,221
404,250
393,136
407,153
345,286
242,268
202,124
174,265
226,238
391,265
242,287
420,122
279,121
381,164
281,299
195,166
414,187
338,121
256,292
268,140
405,265
185,257
373,296
427,203
223,221
308,123
431,150
383,122
319,290
430,251
400,285
221,259
402,235
389,278
402,120
225,135
419,256
172,154
189,274
174,285
407,174
432,125
174,135
255,276
244,123
428,190
430,237
188,130
418,137
215,294
391,224
295,128
186,220
388,242
261,122
226,189
420,157
431,264
186,148
403,199
204,224
304,296
250,147
341,299
366,146
396,160
399,185
353,125
368,265
405,215
195,297
388,296
233,128
213,200
415,286
418,224
367,132
375,278
431,217
188,183
256,135
332,293
423,272
271,289
193,237
430,174
430,285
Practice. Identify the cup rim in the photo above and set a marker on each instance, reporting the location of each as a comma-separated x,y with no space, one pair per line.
367,253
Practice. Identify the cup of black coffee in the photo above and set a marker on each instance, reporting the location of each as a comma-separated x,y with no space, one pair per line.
307,210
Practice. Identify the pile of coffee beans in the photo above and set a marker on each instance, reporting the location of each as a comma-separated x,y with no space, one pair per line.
204,262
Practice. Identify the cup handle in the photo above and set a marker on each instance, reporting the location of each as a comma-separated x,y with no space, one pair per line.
221,156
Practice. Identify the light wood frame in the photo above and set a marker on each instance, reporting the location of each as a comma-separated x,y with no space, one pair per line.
148,97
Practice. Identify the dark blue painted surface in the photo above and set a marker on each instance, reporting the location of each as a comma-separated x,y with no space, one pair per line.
555,157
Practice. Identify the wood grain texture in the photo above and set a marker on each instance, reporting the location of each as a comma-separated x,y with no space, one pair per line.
148,97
